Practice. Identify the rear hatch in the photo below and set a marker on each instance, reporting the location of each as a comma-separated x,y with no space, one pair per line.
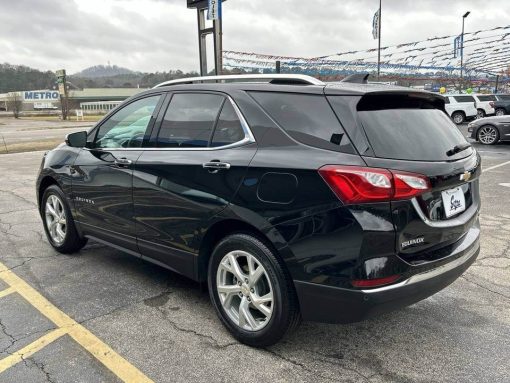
411,132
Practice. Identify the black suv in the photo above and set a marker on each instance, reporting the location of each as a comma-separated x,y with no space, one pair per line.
294,199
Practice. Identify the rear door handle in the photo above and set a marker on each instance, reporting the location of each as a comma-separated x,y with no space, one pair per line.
216,165
123,162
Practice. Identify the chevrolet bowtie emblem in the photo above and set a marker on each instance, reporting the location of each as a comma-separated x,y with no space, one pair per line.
465,176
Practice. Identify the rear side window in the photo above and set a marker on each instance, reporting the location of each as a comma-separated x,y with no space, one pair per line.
307,118
409,128
189,120
504,97
229,129
464,98
487,98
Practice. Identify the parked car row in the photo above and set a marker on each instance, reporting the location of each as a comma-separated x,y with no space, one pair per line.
466,107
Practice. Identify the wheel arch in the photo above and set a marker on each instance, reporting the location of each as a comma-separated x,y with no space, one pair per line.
45,182
220,229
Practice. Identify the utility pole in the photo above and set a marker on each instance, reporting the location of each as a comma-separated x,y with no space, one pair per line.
379,44
462,50
62,89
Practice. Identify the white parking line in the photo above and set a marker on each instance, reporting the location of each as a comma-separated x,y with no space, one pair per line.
495,166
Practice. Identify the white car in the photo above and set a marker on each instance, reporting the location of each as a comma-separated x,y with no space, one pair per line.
460,107
484,104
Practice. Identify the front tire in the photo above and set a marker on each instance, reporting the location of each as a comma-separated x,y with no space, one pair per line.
488,135
458,117
251,291
58,222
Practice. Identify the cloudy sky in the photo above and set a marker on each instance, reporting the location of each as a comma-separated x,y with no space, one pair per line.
158,35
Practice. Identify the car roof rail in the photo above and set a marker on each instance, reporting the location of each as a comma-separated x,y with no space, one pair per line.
357,78
285,79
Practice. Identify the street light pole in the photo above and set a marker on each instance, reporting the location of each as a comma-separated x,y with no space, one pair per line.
379,42
462,48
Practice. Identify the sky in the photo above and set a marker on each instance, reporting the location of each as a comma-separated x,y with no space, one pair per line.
159,35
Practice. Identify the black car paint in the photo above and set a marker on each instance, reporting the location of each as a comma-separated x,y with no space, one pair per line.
323,243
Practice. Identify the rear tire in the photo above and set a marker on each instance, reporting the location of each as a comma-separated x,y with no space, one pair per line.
500,112
245,272
458,117
58,222
488,135
480,113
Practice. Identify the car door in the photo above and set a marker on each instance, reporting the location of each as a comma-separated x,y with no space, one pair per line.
203,149
103,173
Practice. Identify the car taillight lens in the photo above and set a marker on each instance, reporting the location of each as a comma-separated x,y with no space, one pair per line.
491,103
356,184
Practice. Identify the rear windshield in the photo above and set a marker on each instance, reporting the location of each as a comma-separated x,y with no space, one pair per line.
464,98
487,98
409,128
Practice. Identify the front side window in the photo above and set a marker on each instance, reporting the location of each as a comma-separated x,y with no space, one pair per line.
127,127
189,120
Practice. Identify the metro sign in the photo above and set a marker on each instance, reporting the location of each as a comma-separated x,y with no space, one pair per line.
37,95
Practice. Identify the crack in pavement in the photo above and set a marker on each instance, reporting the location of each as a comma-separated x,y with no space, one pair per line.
39,365
484,287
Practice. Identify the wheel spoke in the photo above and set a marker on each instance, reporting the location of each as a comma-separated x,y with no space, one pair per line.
245,316
56,221
260,303
235,268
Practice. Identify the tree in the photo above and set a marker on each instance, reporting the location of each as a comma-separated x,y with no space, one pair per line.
14,103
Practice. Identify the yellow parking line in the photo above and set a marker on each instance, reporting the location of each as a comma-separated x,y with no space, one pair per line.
32,348
6,292
104,353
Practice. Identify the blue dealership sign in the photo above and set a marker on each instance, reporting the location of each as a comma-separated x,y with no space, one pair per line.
37,95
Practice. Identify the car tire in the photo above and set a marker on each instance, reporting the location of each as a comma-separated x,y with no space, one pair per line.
458,117
500,112
58,222
480,113
488,135
260,309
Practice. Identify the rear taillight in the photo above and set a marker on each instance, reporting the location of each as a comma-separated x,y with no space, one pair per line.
355,184
491,103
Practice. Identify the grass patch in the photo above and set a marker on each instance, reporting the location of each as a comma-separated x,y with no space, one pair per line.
20,147
92,118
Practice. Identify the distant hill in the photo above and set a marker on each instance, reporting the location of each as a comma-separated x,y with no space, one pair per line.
98,71
20,77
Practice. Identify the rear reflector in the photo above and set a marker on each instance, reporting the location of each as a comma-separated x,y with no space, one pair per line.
356,184
376,282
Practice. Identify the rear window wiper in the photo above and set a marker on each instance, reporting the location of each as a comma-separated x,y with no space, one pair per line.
457,149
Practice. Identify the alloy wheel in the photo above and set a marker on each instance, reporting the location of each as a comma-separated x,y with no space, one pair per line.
245,290
487,135
458,118
55,219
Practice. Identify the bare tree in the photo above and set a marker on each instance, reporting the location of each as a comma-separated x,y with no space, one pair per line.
14,103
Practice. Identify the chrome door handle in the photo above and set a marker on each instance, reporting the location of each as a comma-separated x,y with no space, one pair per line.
216,165
122,161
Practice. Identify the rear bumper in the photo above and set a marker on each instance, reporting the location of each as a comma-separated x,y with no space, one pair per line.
339,305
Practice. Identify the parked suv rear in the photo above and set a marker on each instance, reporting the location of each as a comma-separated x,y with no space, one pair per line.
293,199
484,104
461,107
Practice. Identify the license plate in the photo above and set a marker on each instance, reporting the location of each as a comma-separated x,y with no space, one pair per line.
453,201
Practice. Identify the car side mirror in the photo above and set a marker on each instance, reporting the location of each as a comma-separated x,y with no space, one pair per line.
77,140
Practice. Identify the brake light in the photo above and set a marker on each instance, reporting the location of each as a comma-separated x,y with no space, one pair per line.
376,282
356,184
491,103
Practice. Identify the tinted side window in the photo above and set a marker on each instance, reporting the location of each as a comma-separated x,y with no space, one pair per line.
229,129
307,118
504,97
464,98
487,98
189,120
126,128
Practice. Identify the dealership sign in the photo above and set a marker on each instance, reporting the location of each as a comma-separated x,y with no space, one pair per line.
40,95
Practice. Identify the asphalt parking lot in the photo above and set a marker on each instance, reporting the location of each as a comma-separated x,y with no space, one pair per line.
104,316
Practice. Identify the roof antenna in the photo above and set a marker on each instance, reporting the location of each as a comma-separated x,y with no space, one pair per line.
357,78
